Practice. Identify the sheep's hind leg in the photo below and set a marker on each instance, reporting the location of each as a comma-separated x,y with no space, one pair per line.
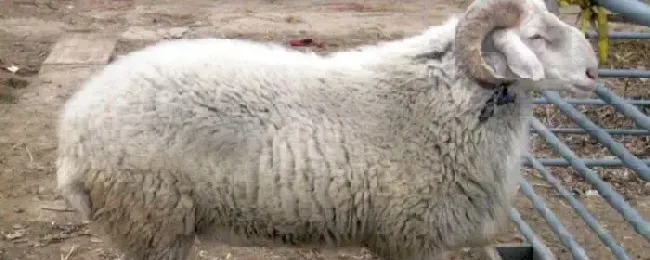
147,215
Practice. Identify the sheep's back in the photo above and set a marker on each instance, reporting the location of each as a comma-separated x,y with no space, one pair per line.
208,98
258,141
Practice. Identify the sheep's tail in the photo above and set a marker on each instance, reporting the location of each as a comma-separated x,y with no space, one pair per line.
71,187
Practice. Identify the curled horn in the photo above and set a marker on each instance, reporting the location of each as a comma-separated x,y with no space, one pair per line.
479,20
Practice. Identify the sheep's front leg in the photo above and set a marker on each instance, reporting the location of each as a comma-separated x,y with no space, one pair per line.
447,226
460,224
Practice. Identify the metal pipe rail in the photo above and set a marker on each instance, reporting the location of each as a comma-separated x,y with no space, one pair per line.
634,10
603,137
634,132
587,101
529,234
640,225
559,162
640,119
639,13
591,221
577,252
612,197
619,73
622,35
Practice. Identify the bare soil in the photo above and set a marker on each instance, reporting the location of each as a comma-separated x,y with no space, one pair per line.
33,219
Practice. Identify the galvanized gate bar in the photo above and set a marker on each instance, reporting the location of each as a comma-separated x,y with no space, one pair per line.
559,162
590,220
543,101
621,73
634,10
530,236
637,12
556,226
612,197
630,111
622,35
633,132
603,137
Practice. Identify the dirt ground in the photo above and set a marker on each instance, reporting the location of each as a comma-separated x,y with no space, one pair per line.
33,219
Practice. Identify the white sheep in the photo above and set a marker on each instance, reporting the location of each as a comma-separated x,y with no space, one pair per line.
410,148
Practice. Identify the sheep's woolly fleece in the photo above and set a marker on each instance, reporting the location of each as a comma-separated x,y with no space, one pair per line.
241,142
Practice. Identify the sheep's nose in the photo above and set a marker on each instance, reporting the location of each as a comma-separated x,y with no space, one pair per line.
592,73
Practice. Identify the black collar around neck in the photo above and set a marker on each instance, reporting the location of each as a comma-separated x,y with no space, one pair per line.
501,96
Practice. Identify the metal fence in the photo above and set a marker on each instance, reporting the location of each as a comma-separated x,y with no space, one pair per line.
639,13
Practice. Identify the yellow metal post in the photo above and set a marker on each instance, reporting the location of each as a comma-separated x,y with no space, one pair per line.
586,17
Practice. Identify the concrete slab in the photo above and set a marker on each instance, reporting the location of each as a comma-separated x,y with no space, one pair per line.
32,27
73,58
79,50
148,33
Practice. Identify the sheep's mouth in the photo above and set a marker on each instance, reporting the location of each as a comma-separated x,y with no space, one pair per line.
585,85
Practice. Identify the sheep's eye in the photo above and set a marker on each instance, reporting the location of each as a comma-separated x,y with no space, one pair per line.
536,37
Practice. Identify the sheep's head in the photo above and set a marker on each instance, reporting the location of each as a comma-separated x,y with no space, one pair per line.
536,44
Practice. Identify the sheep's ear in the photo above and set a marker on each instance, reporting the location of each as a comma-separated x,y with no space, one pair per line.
521,60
